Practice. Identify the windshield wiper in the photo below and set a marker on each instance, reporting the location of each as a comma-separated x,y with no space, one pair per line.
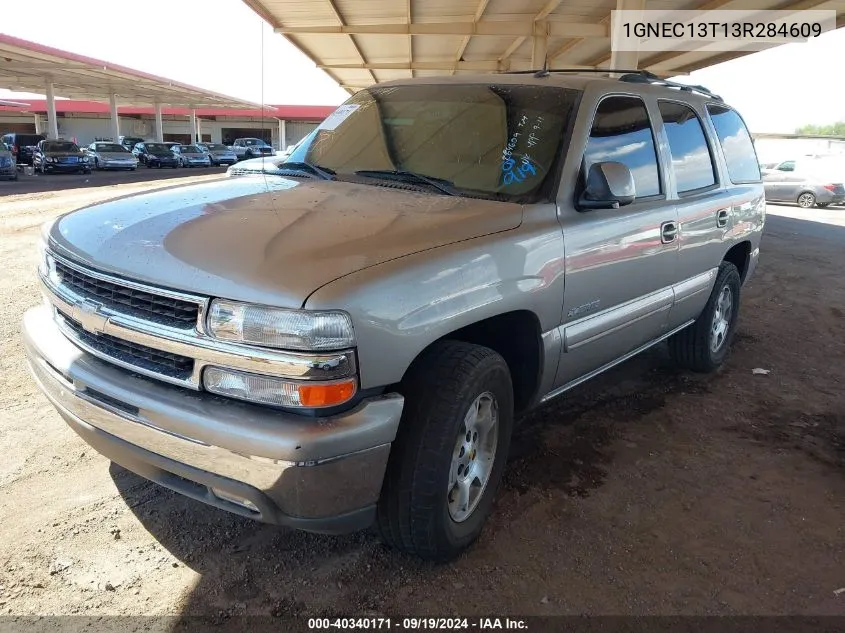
441,184
323,172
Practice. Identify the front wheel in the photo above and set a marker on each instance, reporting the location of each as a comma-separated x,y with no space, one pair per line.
450,451
704,345
806,200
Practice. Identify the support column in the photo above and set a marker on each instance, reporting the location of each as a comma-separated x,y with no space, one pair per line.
199,130
624,59
541,40
283,141
115,121
194,130
159,124
39,124
52,123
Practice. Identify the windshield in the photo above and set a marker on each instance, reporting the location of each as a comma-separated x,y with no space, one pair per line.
157,147
216,147
498,141
60,146
190,149
254,141
110,147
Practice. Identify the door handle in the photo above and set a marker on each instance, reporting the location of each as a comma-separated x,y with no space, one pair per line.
722,218
668,232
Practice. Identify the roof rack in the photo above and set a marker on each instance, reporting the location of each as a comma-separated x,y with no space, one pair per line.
645,77
544,72
627,74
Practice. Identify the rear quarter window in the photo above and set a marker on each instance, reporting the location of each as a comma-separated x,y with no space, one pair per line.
736,144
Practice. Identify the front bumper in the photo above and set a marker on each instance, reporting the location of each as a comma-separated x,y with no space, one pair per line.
8,170
66,166
316,474
117,164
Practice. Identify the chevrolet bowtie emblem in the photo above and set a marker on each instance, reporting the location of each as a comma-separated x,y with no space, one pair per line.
88,315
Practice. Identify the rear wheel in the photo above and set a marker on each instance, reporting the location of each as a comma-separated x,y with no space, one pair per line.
704,345
806,200
450,452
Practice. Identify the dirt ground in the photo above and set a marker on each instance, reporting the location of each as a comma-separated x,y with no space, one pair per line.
643,492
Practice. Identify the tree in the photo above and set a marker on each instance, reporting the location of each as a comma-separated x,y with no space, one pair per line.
832,129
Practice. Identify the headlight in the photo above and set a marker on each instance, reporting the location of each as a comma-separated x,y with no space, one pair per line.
49,159
45,263
84,159
277,391
274,327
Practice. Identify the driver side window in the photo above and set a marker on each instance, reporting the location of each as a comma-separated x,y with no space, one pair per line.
787,165
622,133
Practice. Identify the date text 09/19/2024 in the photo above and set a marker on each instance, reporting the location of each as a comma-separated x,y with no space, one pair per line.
425,624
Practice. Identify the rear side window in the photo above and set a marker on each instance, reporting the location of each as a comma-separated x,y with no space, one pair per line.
622,133
691,160
736,144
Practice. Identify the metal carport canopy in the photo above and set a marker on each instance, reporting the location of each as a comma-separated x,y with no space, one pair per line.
29,67
361,42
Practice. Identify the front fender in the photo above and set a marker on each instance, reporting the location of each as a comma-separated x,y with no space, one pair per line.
400,307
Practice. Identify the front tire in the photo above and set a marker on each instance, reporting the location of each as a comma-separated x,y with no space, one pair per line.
806,200
704,345
450,451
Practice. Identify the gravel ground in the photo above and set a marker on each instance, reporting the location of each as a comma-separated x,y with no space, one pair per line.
643,492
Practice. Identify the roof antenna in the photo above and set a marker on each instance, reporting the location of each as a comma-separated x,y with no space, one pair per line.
545,70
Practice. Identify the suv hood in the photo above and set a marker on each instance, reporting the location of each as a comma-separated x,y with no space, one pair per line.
269,240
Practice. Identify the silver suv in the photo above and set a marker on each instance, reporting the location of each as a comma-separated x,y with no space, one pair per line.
351,339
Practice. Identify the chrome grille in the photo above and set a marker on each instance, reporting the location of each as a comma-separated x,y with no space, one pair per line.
144,305
141,356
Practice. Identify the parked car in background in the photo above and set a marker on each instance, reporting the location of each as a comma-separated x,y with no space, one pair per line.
246,148
808,182
111,156
218,153
352,341
129,142
22,146
191,156
60,156
8,164
155,155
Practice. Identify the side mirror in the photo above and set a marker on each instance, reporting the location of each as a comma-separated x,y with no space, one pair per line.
610,185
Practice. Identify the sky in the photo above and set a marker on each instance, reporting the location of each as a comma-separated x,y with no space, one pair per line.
217,45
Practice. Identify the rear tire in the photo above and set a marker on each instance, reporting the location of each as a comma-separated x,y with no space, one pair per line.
455,431
806,200
705,344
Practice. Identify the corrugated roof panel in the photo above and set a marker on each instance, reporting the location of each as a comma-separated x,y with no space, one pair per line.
480,32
